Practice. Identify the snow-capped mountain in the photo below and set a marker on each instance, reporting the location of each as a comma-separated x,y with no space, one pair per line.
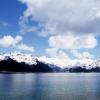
27,58
68,63
55,63
22,63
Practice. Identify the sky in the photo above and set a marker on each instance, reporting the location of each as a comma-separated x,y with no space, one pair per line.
68,29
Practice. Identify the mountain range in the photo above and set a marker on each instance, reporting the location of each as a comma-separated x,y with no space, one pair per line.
15,62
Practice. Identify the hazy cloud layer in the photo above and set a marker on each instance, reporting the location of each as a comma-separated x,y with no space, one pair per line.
25,47
56,53
81,55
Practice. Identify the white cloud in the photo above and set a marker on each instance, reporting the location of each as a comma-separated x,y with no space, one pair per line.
62,16
25,47
70,24
8,41
56,61
62,55
83,55
56,53
51,52
73,41
15,42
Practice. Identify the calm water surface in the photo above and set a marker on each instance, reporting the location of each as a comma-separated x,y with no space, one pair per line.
50,86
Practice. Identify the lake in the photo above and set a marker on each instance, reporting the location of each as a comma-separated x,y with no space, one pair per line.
50,86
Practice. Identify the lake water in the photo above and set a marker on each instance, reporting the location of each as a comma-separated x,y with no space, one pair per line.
50,86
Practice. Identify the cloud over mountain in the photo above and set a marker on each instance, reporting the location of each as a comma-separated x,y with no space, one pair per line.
25,47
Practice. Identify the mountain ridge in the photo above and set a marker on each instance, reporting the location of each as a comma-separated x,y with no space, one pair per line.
28,63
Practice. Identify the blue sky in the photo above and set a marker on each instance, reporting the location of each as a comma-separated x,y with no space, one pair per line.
10,14
61,29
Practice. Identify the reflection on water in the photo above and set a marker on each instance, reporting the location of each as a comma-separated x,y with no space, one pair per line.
51,86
